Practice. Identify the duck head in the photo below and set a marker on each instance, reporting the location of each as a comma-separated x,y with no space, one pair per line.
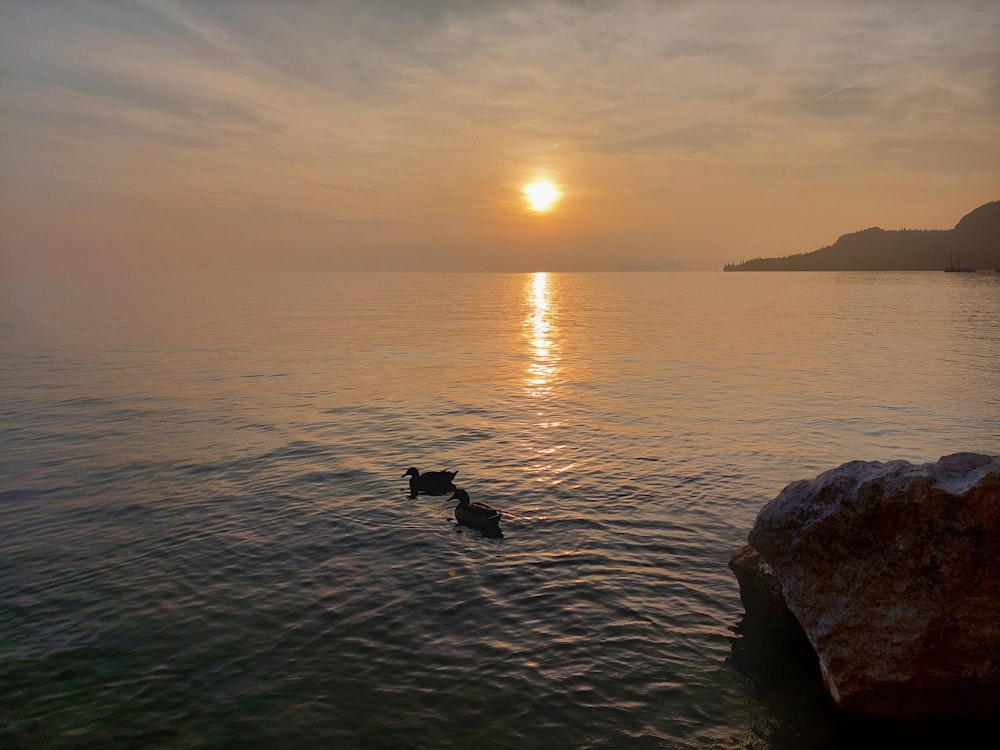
412,472
462,496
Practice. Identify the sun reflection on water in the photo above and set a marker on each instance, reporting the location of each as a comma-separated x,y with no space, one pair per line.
543,375
544,362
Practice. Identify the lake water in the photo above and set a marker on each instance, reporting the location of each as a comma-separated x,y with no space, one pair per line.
205,539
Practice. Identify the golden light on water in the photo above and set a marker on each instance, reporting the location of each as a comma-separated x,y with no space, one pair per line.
543,364
541,325
541,196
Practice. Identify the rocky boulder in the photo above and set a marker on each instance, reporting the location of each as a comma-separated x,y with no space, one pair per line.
893,572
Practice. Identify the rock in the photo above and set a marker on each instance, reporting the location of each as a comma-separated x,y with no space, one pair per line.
771,645
760,589
893,571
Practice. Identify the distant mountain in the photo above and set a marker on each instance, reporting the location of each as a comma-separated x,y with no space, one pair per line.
975,242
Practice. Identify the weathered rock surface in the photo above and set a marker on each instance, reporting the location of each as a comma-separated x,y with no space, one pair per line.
893,571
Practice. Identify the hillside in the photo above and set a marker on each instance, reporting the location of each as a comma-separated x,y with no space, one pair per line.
974,241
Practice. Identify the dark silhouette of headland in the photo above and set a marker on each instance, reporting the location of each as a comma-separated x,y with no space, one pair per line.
973,243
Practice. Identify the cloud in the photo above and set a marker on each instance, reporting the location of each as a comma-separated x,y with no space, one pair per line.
428,113
701,137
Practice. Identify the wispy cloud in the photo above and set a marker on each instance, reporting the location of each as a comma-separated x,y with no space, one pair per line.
427,114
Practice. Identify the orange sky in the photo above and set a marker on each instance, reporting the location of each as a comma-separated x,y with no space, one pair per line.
381,134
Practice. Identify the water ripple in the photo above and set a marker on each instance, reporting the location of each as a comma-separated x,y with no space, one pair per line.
204,549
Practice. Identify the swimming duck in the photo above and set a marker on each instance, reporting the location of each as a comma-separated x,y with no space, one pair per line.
431,483
478,516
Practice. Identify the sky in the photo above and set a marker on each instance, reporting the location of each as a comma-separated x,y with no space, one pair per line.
399,134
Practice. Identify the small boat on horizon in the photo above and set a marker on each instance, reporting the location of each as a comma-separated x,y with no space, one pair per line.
957,267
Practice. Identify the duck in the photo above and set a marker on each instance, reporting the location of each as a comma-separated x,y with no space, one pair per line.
478,516
431,483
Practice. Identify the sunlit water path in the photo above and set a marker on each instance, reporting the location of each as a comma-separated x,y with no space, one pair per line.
206,539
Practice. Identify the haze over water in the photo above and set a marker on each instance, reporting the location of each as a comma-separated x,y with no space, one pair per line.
207,541
388,135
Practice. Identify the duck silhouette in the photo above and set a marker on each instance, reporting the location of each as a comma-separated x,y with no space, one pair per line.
431,483
478,516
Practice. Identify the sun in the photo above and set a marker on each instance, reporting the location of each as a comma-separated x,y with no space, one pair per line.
541,196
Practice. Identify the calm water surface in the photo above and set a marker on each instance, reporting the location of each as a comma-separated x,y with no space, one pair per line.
206,540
